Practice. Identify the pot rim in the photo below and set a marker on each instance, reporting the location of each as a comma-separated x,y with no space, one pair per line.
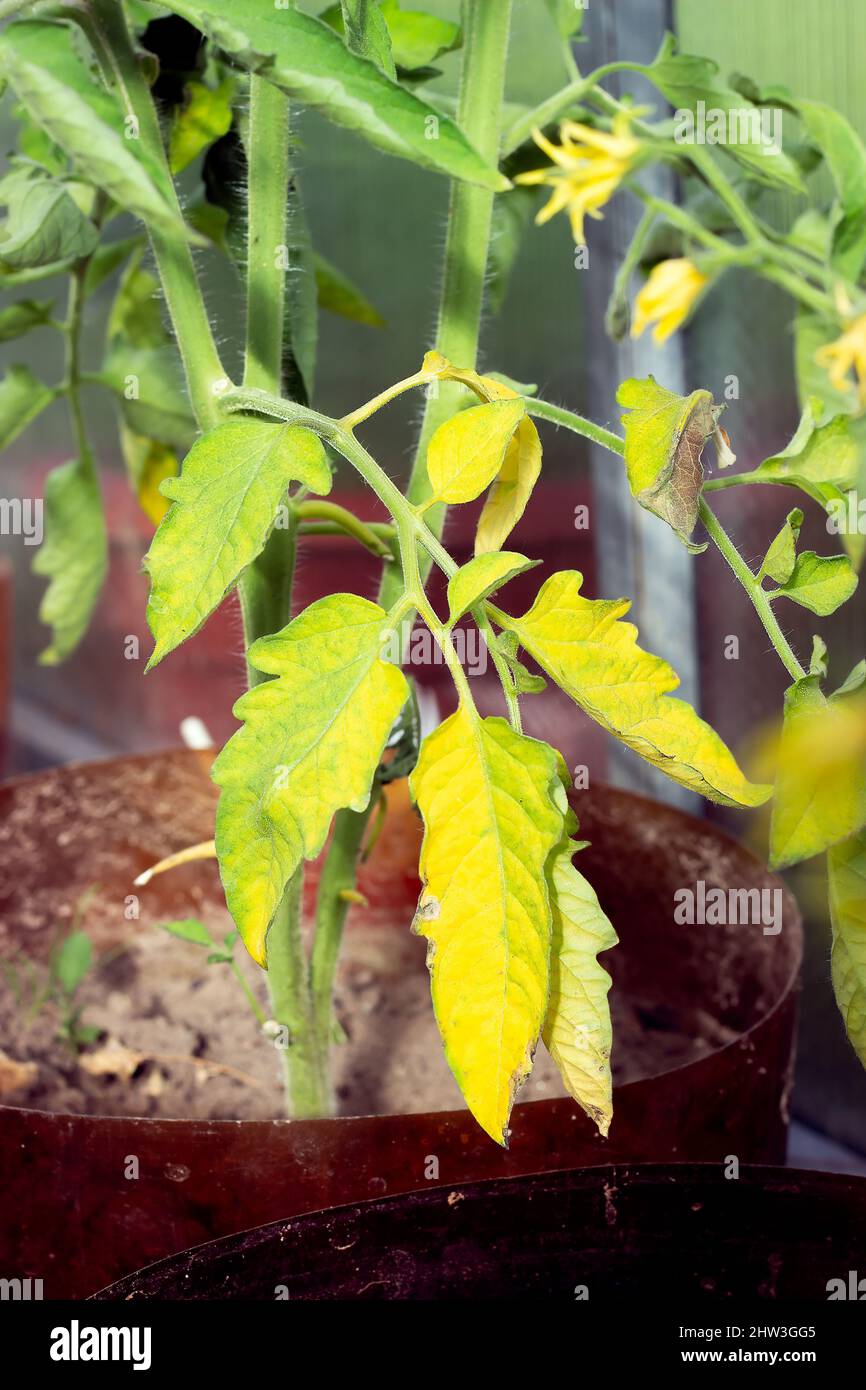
769,1176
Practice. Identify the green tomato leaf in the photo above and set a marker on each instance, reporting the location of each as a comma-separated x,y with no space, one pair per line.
418,39
135,317
188,930
307,60
45,226
362,24
577,1030
467,452
73,556
310,745
493,810
204,118
226,504
684,80
482,576
149,387
42,61
665,436
72,961
338,295
822,460
820,796
845,154
567,16
108,258
22,398
512,217
595,659
821,583
846,865
853,681
781,557
19,318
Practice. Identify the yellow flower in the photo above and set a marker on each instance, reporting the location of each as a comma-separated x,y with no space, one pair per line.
846,352
667,297
588,168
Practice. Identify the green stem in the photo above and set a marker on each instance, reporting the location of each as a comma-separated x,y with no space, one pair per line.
467,237
756,593
72,378
557,105
543,410
305,1059
344,522
338,876
724,480
205,374
268,164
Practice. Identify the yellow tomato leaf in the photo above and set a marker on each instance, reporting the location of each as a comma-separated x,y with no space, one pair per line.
821,776
481,577
595,659
310,744
846,864
512,488
467,452
226,503
577,1030
148,464
489,800
205,116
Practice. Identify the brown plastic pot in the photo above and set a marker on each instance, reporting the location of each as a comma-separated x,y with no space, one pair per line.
71,1217
673,1233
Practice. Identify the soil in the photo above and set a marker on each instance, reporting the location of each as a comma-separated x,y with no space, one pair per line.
177,1038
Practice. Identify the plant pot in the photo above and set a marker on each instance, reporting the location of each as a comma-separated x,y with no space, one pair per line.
74,1216
675,1233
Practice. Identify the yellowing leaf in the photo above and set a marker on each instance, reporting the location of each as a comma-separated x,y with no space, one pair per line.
225,506
310,745
846,865
206,115
595,659
577,1030
821,777
664,437
487,797
148,464
512,487
482,576
467,452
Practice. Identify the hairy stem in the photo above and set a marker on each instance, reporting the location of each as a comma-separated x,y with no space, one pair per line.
305,1059
338,877
337,520
268,163
467,238
756,593
205,375
543,410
